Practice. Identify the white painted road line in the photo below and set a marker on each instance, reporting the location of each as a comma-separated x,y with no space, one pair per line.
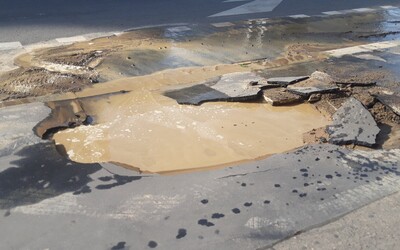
179,29
257,6
71,39
10,45
363,48
369,57
331,13
299,16
363,10
388,7
382,45
221,25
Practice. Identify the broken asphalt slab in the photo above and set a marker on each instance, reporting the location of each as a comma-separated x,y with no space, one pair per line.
307,91
278,97
318,83
390,101
355,83
285,81
353,124
229,87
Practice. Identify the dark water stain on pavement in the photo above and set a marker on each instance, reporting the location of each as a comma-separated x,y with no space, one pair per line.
118,181
205,222
204,201
181,233
152,244
248,204
119,246
236,210
217,216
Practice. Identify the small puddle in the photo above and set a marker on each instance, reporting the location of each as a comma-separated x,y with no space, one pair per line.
146,130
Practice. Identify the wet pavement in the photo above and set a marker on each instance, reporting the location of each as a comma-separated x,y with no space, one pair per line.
272,43
248,205
29,23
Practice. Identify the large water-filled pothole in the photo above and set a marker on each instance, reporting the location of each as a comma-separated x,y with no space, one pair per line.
149,131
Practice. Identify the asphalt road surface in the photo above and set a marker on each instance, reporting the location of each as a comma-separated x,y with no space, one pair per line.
29,21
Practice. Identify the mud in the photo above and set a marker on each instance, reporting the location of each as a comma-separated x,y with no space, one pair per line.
64,114
316,135
170,137
31,82
89,59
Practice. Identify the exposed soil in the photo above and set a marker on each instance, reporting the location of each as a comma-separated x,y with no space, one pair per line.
83,59
383,114
31,82
316,135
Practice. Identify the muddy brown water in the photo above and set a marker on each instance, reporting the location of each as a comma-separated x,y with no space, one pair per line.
146,130
163,136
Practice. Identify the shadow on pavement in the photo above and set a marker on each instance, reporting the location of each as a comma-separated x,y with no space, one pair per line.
119,180
41,173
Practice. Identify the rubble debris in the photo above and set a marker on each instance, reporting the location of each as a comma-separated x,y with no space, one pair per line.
353,124
31,82
390,101
278,97
83,59
383,114
317,135
331,102
355,83
285,81
307,91
364,97
228,87
314,98
380,90
321,78
319,82
382,35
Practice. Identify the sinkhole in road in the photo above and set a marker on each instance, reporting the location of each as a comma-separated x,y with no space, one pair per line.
146,130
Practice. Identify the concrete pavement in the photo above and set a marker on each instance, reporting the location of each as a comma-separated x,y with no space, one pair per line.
371,227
